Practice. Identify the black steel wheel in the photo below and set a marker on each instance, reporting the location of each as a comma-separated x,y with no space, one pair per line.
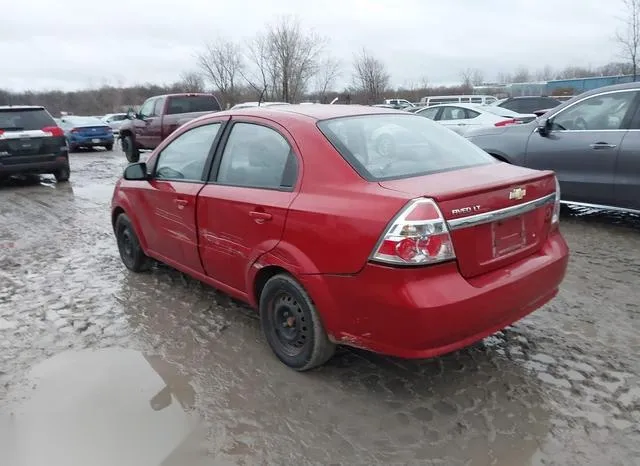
292,326
131,253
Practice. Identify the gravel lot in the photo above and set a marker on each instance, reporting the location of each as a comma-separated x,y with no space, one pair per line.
99,366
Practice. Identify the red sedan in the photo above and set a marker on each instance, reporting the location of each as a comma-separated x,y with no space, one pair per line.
347,225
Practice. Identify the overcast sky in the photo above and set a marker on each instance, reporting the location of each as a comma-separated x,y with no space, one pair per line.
71,44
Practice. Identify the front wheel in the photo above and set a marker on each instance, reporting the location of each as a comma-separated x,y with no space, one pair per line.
292,325
130,150
131,253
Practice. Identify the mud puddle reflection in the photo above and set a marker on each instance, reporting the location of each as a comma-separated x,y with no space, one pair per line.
100,408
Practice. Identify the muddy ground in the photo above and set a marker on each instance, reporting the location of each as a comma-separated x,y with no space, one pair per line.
102,367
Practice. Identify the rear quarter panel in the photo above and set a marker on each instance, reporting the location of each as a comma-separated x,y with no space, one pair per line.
337,218
508,144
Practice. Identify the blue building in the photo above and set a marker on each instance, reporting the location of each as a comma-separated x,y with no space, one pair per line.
580,85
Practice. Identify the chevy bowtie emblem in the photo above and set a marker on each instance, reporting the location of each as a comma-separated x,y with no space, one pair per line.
517,193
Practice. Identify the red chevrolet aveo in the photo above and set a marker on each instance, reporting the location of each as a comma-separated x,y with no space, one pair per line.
346,225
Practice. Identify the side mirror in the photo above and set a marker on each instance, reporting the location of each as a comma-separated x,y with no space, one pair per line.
544,126
136,172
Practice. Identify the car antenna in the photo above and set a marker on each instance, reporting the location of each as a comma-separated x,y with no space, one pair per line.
262,95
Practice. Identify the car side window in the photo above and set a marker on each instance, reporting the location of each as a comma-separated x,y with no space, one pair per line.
257,156
471,114
429,113
597,113
147,108
452,113
185,157
157,109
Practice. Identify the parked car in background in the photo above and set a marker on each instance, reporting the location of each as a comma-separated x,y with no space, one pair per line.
592,142
399,104
458,99
455,244
115,121
464,117
31,143
158,117
87,132
257,104
528,104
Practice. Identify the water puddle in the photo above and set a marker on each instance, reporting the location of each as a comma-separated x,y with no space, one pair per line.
106,407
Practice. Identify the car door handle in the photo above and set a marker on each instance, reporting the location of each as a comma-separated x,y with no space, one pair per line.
181,203
602,145
260,217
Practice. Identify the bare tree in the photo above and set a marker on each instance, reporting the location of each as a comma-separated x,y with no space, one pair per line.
222,63
192,81
504,78
285,58
466,76
477,77
370,75
521,75
628,37
544,74
328,72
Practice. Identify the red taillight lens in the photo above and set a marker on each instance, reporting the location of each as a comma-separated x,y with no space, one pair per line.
54,130
418,236
74,130
1,131
512,121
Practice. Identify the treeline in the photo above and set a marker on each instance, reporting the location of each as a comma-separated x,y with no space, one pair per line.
287,63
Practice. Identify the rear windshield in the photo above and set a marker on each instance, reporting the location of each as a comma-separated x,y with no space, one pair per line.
382,147
84,121
25,119
192,103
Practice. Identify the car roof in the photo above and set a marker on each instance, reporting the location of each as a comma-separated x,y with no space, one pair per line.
315,112
456,104
21,107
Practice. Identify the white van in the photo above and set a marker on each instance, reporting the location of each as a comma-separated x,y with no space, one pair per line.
458,99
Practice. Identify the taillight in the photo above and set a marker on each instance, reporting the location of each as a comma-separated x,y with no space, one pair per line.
417,236
512,121
74,130
1,131
555,217
54,130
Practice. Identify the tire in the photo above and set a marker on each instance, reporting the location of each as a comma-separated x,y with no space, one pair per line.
109,147
292,325
130,150
132,255
72,148
62,174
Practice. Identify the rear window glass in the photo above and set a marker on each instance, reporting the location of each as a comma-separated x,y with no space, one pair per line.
84,121
192,103
381,147
25,120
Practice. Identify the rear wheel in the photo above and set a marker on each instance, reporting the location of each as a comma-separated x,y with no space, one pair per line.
130,150
131,253
292,325
62,174
109,147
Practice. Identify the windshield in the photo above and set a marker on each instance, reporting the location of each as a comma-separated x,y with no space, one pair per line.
381,147
84,121
25,119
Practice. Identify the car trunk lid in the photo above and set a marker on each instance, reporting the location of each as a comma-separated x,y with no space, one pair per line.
497,213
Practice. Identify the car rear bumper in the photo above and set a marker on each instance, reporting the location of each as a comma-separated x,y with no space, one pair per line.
90,141
36,164
426,312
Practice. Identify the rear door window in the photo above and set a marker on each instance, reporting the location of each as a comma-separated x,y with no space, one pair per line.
192,103
25,119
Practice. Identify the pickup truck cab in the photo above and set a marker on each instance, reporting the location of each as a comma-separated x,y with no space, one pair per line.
159,116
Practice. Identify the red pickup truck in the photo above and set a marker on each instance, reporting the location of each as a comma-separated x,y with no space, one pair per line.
159,116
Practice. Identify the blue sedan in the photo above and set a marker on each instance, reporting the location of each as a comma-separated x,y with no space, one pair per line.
84,131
